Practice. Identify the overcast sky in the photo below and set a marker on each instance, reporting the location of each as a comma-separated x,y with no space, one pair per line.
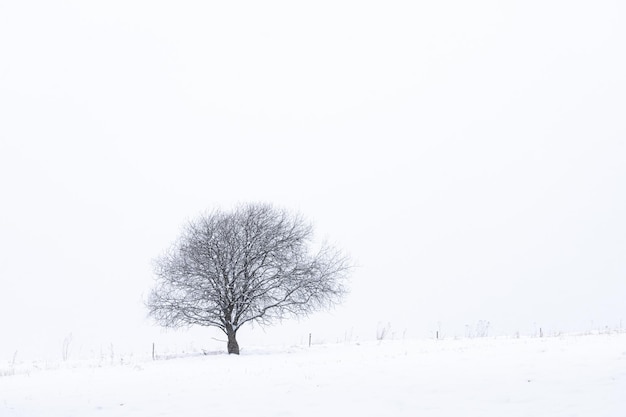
468,155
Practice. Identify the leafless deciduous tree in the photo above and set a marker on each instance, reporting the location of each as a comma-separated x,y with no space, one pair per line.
254,264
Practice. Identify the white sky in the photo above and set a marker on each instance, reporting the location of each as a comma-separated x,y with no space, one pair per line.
469,155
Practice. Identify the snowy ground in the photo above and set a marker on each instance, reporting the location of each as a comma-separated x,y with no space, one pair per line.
555,376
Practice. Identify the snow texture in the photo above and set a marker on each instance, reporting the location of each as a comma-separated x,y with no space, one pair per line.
556,376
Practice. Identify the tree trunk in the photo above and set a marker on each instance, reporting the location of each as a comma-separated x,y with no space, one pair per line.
233,346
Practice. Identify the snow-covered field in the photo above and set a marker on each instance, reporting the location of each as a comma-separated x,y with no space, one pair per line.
554,376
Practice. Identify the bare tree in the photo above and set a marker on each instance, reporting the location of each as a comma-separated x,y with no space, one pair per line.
65,350
254,264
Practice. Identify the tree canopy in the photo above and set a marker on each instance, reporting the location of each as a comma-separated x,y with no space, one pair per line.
253,264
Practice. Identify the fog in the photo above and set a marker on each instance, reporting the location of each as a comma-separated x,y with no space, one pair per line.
469,158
